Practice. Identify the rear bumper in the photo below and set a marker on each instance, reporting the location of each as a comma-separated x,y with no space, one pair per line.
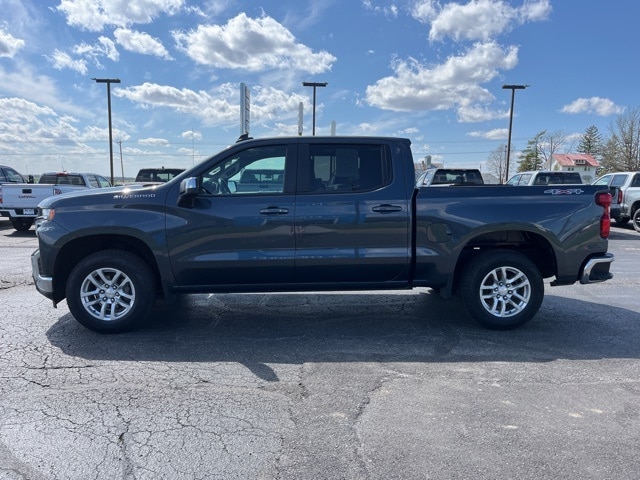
19,212
597,269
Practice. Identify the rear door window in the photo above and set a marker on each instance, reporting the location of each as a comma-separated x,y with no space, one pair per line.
342,168
618,180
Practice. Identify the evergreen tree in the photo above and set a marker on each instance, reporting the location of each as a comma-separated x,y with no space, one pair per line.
531,158
591,142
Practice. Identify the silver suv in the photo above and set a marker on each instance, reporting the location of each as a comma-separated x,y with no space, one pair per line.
626,197
545,177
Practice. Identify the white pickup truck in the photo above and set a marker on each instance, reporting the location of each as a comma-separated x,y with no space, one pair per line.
19,201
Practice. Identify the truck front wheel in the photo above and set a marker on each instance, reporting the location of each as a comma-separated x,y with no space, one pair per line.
110,291
501,289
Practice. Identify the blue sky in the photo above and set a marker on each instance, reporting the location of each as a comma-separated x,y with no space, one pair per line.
428,70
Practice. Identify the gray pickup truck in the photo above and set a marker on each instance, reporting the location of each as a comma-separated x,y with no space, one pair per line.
346,215
626,196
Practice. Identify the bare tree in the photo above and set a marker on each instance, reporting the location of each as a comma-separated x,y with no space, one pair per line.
622,150
551,143
497,163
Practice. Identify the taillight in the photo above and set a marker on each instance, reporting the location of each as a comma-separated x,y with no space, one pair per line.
620,194
604,200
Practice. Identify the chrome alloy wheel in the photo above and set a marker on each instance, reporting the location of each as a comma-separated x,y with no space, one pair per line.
107,294
505,292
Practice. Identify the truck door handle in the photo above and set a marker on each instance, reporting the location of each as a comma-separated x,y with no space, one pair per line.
274,211
387,208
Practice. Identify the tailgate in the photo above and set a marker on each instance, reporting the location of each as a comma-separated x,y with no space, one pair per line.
24,196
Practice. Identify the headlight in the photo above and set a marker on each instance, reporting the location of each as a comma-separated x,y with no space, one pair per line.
47,213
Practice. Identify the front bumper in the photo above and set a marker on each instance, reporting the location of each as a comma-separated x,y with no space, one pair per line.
44,285
597,269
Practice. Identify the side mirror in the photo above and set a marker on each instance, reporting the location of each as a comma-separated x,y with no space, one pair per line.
30,179
189,188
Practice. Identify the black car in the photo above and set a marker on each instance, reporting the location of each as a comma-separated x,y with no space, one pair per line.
10,175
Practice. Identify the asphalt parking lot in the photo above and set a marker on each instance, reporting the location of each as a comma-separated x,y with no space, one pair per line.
393,385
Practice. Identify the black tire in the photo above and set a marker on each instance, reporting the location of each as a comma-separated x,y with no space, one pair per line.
491,297
622,220
636,220
21,224
107,307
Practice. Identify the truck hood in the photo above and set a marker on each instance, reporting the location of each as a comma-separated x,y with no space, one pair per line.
99,195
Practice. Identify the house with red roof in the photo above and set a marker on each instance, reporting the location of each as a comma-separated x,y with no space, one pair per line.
582,163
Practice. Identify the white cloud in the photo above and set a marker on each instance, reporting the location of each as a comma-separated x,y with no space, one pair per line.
424,10
45,140
389,11
269,103
476,113
34,87
495,134
477,19
455,83
158,142
109,49
600,106
104,48
217,108
94,15
251,44
191,135
140,42
9,45
84,54
62,60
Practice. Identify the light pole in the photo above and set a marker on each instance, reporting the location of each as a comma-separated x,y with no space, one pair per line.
314,85
513,89
109,81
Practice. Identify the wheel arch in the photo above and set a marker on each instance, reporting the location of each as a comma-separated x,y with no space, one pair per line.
534,246
75,250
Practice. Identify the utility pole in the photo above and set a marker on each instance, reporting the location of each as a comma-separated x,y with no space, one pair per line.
121,162
314,85
109,81
513,89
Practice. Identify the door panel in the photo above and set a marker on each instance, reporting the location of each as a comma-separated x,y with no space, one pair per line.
232,235
352,219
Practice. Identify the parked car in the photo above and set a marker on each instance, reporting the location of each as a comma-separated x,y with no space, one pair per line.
10,175
450,176
157,175
626,196
259,180
545,177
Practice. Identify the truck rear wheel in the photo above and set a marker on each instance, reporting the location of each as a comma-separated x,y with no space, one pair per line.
21,224
110,291
501,289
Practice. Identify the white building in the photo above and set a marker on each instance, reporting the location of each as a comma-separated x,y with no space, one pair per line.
582,163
